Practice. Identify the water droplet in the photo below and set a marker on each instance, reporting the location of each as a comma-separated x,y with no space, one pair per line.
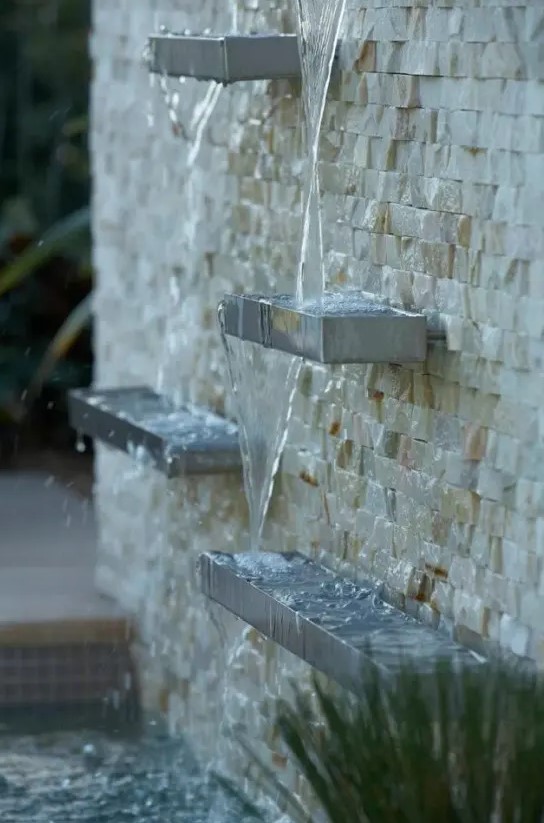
91,756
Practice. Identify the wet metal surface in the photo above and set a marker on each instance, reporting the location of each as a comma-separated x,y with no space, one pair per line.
225,59
341,328
328,621
150,428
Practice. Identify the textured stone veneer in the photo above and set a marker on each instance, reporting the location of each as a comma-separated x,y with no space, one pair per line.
431,478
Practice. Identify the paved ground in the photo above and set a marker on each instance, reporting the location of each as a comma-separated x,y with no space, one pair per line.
47,554
61,642
70,468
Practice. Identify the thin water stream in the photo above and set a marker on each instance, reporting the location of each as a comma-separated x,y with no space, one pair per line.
319,24
177,361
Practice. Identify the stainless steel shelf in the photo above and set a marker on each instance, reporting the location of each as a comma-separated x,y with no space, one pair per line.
149,427
342,328
326,620
225,59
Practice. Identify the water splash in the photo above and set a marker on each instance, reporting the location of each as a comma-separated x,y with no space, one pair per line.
135,774
263,384
319,24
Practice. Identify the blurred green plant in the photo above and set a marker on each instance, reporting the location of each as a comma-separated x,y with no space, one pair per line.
45,272
44,93
60,238
454,746
22,379
78,319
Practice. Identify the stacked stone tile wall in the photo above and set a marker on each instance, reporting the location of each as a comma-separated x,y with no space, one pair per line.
429,478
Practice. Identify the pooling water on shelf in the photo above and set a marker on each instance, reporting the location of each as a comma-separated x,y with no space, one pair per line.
319,24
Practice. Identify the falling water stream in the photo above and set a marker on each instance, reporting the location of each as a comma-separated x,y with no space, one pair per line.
190,106
263,384
264,381
183,308
319,24
199,221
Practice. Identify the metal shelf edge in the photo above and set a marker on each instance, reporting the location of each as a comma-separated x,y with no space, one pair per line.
145,425
343,328
226,59
334,624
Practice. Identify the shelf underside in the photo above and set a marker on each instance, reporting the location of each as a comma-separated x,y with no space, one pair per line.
328,621
150,428
341,328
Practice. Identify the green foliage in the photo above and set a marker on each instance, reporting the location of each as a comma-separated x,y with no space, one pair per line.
56,352
45,274
44,82
44,295
59,238
455,746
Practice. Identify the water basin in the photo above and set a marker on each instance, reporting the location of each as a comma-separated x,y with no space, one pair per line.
94,776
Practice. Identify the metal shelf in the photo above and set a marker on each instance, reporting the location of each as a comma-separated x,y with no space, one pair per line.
341,328
225,59
326,620
149,427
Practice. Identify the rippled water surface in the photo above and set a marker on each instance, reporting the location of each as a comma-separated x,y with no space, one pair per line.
92,777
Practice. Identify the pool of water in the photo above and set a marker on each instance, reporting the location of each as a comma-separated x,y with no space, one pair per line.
98,776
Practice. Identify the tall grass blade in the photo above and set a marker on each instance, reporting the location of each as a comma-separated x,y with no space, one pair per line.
62,342
53,241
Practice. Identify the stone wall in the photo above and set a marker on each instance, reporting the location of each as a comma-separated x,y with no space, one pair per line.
430,478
